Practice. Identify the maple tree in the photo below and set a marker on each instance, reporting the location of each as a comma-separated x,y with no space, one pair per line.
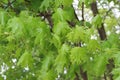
45,40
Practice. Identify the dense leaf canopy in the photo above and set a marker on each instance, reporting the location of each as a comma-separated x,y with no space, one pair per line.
48,40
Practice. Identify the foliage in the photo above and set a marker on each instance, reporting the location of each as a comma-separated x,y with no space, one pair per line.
45,40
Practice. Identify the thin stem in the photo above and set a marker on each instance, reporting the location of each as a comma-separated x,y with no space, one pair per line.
83,11
75,14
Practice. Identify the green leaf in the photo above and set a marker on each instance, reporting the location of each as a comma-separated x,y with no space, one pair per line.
20,1
64,49
69,14
61,28
76,35
99,63
25,60
113,39
65,3
88,24
111,21
56,41
62,58
45,4
43,35
78,55
60,63
97,20
35,4
118,78
116,73
16,26
93,45
71,71
3,18
58,15
47,62
61,15
116,57
49,75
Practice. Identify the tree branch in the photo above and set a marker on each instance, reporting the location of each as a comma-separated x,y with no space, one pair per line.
10,4
77,76
83,12
73,23
101,30
47,15
75,14
103,36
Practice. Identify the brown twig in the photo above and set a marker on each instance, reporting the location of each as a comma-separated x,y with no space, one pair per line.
83,11
73,23
75,14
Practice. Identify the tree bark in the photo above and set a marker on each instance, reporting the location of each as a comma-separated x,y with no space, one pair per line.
101,30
